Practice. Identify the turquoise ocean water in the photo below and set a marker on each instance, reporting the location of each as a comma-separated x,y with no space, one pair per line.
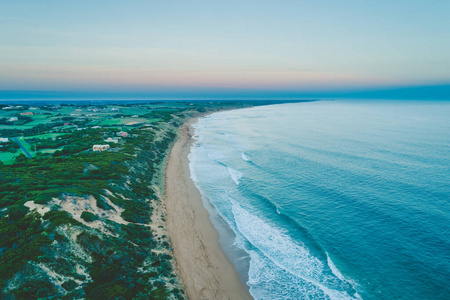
331,199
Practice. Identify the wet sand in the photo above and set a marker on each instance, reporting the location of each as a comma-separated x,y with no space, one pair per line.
205,270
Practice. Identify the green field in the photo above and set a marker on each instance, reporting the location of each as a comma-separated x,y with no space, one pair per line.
8,158
45,136
37,119
124,121
27,146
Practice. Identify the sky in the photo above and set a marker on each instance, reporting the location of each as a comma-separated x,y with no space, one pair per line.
221,49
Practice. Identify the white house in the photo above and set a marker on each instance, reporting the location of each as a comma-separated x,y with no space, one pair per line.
13,119
4,140
100,148
111,140
13,107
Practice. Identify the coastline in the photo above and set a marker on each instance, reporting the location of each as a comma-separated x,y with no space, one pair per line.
203,266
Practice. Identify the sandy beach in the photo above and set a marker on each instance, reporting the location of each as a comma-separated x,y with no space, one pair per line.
204,268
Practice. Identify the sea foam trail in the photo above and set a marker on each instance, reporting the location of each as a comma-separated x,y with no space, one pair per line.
235,175
244,157
333,268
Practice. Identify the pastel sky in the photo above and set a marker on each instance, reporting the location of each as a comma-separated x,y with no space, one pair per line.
210,46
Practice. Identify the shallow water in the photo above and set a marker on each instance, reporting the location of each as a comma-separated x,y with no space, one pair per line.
331,199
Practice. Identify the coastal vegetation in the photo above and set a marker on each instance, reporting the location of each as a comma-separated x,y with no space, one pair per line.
81,224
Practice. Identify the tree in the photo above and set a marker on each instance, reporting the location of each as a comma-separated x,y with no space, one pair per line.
11,149
21,158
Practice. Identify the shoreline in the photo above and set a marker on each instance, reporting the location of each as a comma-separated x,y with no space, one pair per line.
204,269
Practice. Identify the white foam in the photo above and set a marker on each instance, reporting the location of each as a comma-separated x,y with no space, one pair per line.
244,157
289,256
191,166
333,268
235,175
267,281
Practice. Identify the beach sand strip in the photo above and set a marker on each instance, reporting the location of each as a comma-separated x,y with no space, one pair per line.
205,270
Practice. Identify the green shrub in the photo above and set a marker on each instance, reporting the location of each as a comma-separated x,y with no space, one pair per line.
115,290
137,212
69,285
21,157
35,289
101,203
88,216
45,196
60,217
17,212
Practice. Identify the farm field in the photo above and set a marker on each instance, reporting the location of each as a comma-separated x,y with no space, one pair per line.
44,130
125,121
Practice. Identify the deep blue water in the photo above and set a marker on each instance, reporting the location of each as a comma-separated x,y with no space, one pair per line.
331,199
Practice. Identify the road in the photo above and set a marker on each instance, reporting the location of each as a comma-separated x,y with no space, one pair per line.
23,148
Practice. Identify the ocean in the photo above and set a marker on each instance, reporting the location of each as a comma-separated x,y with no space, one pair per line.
331,199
